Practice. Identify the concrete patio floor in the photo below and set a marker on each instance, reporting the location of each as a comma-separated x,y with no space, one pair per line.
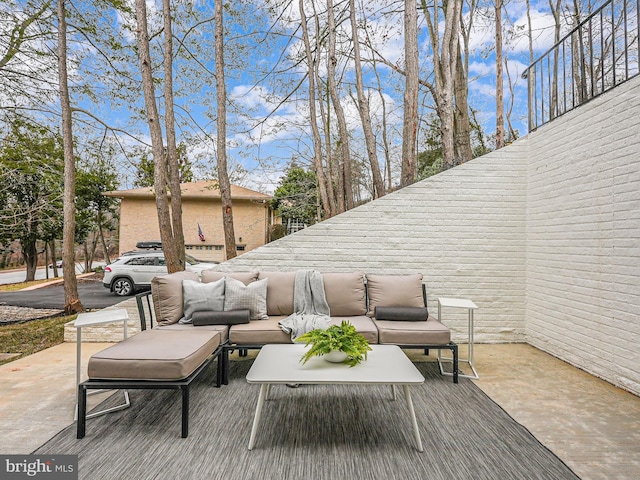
591,425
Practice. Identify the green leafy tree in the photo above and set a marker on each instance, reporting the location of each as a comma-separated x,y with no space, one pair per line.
31,166
97,212
297,196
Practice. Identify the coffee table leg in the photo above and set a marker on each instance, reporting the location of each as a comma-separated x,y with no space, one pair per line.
414,422
264,388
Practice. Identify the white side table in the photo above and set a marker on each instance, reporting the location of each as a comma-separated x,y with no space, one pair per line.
98,318
470,306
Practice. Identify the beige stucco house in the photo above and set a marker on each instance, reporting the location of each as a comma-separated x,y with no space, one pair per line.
201,206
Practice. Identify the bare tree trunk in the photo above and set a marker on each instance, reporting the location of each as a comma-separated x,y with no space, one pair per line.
462,133
410,124
223,175
175,251
385,140
462,122
499,79
529,31
336,203
157,143
445,60
317,142
30,256
337,106
555,10
100,234
512,133
448,63
52,254
336,179
72,302
363,108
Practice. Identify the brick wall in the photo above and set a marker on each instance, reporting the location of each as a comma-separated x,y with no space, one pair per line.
583,237
139,221
542,235
462,229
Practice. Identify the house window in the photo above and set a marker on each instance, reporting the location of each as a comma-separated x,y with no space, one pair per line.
240,248
218,247
188,247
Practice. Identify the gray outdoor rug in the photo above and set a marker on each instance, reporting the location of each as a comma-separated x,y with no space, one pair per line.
312,432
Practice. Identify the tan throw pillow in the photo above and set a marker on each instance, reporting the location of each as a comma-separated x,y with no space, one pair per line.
238,296
345,293
394,291
213,276
166,292
279,292
198,296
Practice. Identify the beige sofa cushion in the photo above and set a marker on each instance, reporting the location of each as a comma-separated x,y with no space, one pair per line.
394,291
259,332
154,355
166,291
427,332
345,293
212,276
268,331
223,330
280,289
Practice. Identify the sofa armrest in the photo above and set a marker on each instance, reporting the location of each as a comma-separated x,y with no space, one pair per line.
145,310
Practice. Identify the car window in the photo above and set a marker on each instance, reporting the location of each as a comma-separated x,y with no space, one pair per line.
162,261
142,261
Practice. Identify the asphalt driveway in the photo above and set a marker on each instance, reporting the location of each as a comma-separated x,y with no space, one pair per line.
91,292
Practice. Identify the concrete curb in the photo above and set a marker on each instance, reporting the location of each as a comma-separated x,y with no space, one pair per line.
53,282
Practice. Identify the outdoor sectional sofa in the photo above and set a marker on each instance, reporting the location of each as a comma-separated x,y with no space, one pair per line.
352,296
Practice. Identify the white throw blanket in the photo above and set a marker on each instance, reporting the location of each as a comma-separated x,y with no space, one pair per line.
310,308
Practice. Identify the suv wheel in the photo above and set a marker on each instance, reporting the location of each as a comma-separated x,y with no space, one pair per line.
122,287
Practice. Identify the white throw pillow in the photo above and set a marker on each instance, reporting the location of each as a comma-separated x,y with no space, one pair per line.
201,296
239,296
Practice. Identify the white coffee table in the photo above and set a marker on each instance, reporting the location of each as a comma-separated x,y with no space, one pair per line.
280,364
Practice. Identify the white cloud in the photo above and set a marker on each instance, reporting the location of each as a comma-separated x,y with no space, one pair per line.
481,69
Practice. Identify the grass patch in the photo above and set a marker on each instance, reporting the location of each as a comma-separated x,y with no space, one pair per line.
12,287
32,336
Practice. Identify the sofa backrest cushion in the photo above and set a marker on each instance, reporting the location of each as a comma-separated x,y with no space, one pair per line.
280,289
238,296
394,291
166,291
213,276
345,293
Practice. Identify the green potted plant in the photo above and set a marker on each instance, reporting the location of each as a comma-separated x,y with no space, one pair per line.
341,338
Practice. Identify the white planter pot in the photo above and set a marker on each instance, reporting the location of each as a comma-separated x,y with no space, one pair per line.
336,356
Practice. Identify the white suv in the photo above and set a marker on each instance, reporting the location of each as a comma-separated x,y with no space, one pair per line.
134,270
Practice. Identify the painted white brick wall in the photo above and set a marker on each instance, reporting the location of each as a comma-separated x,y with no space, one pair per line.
583,237
544,235
464,230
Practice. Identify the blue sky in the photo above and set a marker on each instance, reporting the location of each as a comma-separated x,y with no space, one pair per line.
267,123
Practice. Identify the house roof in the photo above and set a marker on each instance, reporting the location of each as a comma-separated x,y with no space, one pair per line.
193,190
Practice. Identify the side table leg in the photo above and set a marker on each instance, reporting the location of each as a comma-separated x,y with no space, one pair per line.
414,422
256,419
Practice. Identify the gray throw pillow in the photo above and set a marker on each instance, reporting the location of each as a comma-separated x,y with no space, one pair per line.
239,296
201,296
